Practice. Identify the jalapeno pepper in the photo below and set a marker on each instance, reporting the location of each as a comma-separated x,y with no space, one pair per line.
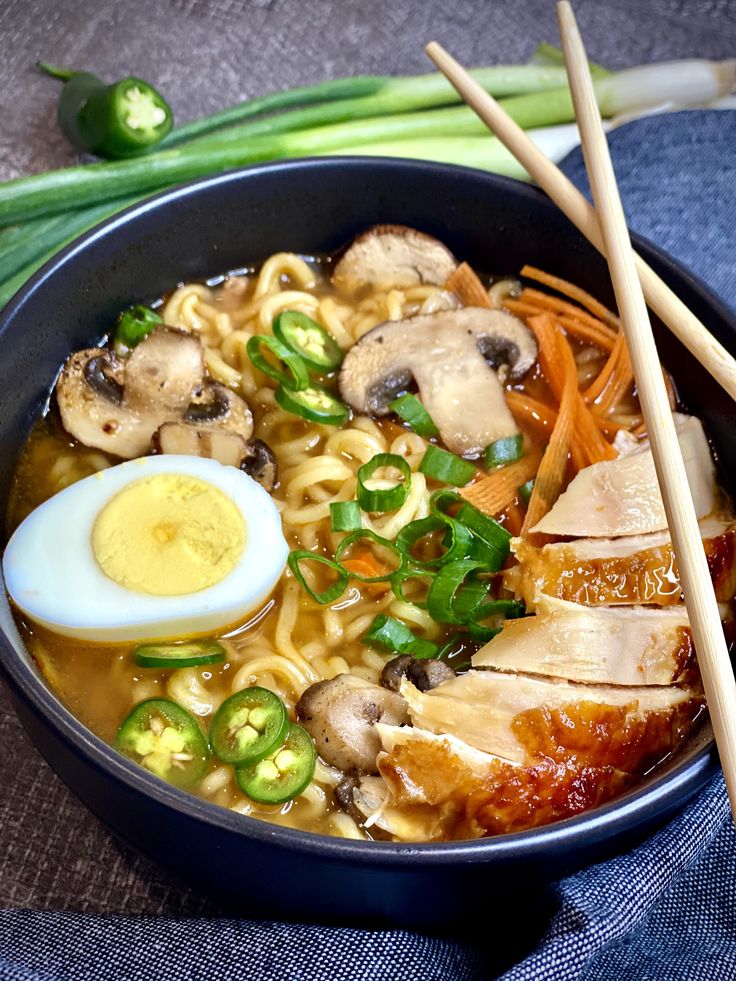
284,774
165,739
314,403
305,336
248,726
119,120
189,655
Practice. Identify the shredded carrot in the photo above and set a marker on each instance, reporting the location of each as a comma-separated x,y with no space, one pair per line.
589,446
573,292
594,390
494,492
364,563
464,283
522,307
553,468
530,412
555,305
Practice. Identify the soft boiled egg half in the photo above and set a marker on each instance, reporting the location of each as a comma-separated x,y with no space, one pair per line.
155,548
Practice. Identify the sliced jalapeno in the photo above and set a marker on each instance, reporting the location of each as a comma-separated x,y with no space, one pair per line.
284,774
165,739
314,403
305,336
189,655
248,726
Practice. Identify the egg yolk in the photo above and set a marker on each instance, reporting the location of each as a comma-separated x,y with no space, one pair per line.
168,535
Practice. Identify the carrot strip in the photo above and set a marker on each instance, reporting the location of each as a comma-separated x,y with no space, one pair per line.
496,491
513,519
593,391
464,283
365,563
553,468
576,328
530,412
573,292
556,305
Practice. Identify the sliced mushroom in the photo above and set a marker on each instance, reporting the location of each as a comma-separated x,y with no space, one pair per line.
213,444
424,673
117,405
393,255
259,463
450,356
341,714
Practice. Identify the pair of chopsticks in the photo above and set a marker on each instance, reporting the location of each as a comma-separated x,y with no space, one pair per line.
633,280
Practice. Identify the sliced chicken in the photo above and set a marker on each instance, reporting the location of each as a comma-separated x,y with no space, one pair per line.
629,570
616,646
621,496
439,788
522,719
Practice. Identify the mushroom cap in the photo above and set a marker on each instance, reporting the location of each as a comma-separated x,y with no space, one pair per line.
341,714
117,405
450,355
393,255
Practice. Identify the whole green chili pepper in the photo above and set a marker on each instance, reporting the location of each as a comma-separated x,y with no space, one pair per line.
119,120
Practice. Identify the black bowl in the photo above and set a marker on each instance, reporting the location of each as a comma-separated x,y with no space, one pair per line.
233,220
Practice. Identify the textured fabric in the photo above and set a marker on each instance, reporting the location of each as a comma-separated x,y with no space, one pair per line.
664,912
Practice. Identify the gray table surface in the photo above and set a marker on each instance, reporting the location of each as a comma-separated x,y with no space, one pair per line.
205,54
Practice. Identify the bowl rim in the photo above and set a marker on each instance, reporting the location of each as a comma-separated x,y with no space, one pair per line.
643,803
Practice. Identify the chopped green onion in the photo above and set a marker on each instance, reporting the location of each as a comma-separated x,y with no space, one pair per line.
345,516
135,324
442,592
411,410
333,591
395,636
311,341
445,466
491,540
452,645
504,451
388,499
443,499
506,609
364,534
314,403
456,541
298,377
404,575
525,491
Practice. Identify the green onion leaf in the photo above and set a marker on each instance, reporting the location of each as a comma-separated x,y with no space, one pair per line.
497,610
298,377
504,451
490,539
333,591
395,636
345,516
404,575
525,491
135,324
411,410
456,540
445,466
442,593
378,545
388,499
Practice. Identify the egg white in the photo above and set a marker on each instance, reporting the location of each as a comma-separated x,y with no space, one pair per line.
52,575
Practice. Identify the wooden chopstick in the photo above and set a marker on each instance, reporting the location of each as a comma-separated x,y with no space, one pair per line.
669,308
700,599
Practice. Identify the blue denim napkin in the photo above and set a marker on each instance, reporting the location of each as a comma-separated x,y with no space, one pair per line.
665,912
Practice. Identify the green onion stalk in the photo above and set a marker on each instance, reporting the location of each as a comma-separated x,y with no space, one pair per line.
374,116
